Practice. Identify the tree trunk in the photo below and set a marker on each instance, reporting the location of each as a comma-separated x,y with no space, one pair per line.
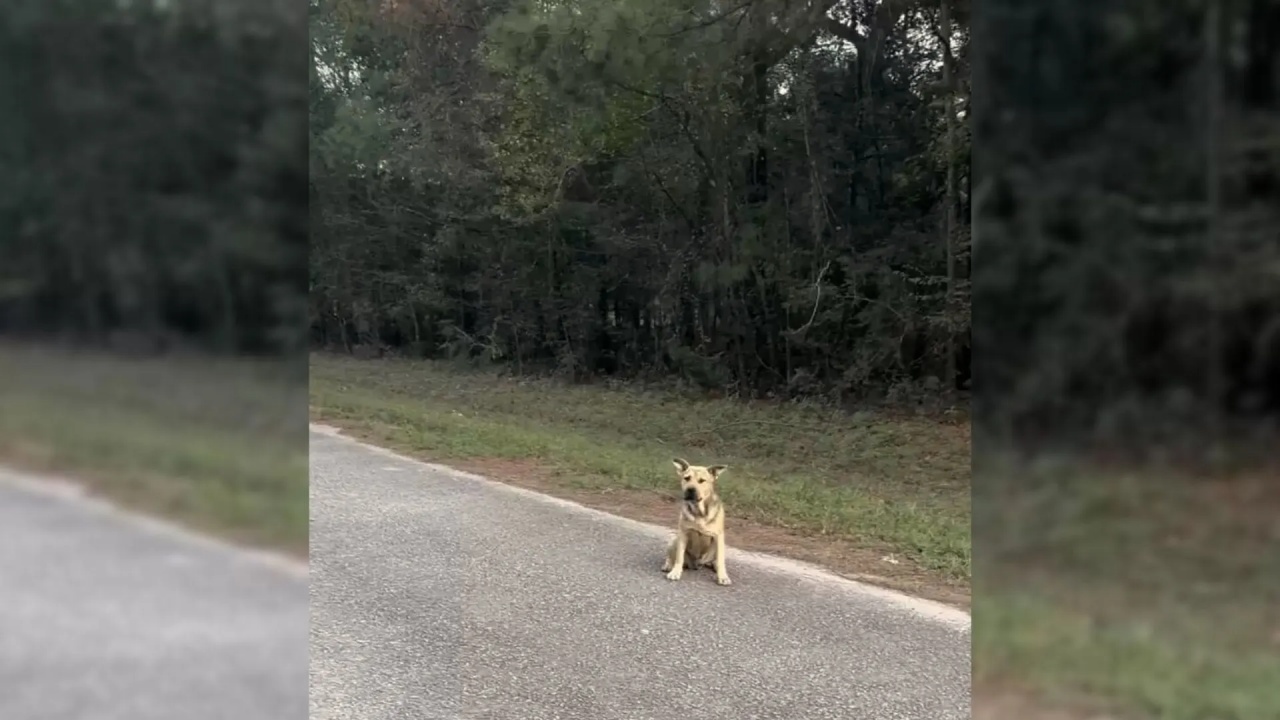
1213,199
949,222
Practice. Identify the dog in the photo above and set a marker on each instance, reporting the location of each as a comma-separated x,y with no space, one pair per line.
699,540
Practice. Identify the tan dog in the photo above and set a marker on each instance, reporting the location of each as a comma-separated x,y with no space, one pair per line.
700,531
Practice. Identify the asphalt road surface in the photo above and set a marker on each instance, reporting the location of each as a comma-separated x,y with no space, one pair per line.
109,616
435,594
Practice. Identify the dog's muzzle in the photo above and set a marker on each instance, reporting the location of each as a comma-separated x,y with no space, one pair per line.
691,495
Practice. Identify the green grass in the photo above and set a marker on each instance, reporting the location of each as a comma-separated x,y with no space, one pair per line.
892,482
1156,595
220,445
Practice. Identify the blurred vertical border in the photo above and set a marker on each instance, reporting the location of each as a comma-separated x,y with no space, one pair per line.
1126,491
153,249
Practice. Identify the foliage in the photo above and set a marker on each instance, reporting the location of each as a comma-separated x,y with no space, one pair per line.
1129,262
153,157
746,196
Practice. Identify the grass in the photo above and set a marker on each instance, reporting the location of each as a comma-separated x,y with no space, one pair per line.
897,483
1153,595
219,445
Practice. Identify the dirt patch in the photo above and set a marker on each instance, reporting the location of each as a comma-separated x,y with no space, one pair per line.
997,702
1251,499
26,455
841,557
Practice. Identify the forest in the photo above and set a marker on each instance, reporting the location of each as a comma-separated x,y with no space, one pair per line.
155,156
774,200
1129,201
758,199
761,199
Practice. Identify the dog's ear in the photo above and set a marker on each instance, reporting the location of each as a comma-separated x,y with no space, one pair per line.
681,464
715,471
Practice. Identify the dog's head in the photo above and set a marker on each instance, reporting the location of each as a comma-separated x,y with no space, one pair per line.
697,483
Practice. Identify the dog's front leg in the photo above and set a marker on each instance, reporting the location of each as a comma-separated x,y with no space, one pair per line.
722,575
670,558
675,557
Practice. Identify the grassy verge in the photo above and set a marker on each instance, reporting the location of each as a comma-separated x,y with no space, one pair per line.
218,445
893,485
1150,596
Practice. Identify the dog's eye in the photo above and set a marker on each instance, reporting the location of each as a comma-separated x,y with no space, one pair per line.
701,480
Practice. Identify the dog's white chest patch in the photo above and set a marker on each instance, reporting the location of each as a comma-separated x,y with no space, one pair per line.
700,522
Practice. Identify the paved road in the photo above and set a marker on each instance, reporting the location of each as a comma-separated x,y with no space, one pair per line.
438,595
106,616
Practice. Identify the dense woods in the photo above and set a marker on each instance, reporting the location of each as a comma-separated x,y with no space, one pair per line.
154,185
1127,281
755,197
761,198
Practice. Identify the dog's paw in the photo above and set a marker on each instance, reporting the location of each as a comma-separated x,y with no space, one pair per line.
675,573
723,580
